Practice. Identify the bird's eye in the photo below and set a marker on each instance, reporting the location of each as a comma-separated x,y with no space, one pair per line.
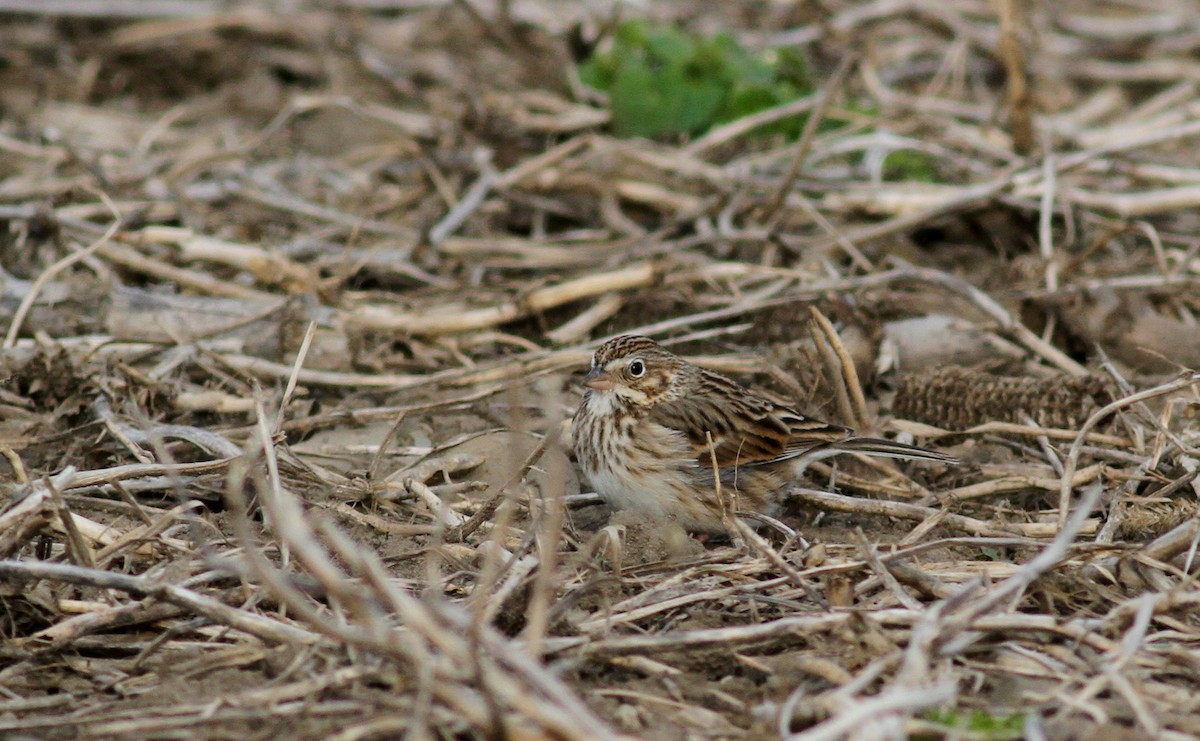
637,369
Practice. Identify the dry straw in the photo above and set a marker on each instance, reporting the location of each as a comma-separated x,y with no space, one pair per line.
288,356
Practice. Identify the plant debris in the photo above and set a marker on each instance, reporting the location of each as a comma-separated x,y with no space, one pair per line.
296,302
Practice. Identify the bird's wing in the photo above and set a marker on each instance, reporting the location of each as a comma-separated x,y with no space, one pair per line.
806,433
746,429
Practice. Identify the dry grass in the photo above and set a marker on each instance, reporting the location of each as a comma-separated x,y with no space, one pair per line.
293,302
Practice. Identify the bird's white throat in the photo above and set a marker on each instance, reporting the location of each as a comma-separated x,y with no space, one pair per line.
607,402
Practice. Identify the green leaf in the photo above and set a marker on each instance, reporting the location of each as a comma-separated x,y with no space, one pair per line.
792,67
911,165
747,100
663,82
638,107
668,47
980,723
699,100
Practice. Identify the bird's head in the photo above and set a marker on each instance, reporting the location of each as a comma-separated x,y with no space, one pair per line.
637,370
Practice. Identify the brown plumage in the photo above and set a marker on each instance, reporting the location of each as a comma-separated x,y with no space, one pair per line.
642,436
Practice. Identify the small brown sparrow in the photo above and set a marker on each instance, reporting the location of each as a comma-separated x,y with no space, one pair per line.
643,431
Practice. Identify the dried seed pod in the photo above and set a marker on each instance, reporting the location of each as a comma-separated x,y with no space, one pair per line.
1148,520
955,398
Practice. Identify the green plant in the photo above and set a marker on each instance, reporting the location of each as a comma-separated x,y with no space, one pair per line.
980,723
662,81
912,166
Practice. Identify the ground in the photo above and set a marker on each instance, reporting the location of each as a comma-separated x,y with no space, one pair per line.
297,301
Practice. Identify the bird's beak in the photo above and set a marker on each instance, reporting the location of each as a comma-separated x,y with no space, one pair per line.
598,379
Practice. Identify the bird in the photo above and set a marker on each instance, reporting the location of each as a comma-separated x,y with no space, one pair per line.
653,428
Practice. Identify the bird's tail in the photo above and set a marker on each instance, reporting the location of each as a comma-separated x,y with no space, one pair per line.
889,449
